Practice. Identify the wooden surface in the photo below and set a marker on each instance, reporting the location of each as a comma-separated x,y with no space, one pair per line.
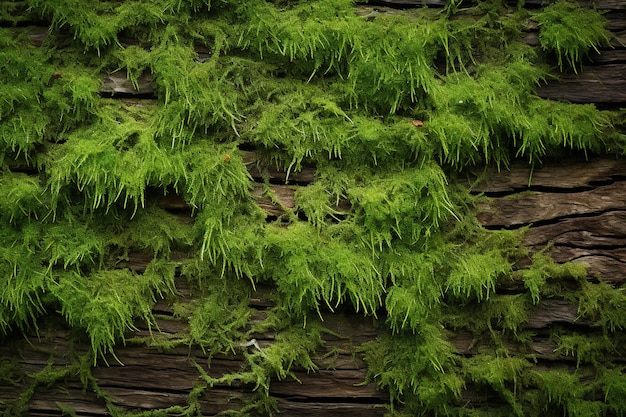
142,378
578,208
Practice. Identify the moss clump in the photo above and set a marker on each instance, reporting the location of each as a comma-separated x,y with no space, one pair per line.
571,32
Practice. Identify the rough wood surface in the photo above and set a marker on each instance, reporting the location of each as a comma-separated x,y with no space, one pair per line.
577,209
598,84
141,378
135,380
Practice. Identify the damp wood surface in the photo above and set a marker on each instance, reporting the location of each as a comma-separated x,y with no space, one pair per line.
575,209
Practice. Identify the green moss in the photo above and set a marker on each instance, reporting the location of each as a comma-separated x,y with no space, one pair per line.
477,274
390,108
603,304
571,32
312,270
566,391
107,303
585,348
23,278
385,213
501,374
545,278
416,369
21,198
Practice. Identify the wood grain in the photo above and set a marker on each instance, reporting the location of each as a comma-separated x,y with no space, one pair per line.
577,210
598,84
567,174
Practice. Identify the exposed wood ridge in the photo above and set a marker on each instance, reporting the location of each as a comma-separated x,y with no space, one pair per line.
403,4
599,4
576,210
565,175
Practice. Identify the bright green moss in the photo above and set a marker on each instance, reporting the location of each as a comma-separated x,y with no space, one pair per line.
417,290
21,197
313,270
107,303
389,107
571,32
501,374
386,214
23,282
417,369
476,275
604,305
544,278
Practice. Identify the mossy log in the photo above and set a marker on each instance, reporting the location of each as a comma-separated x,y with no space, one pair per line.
602,81
432,287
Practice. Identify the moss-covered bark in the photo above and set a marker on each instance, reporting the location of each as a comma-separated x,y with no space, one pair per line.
390,107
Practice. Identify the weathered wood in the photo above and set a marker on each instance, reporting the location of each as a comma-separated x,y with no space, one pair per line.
597,4
555,175
540,207
262,171
118,83
136,382
598,84
552,311
274,199
576,208
606,231
405,3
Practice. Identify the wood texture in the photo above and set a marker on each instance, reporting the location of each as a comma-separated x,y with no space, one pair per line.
141,378
598,84
575,209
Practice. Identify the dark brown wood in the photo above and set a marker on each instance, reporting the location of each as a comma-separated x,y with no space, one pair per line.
556,175
405,3
539,207
263,171
576,210
597,4
274,199
118,83
598,84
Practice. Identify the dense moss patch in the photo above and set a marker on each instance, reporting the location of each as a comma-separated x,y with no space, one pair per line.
390,107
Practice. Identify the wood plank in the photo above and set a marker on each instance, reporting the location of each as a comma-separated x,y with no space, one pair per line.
596,4
598,84
404,3
117,83
552,311
531,207
554,175
274,199
604,231
262,171
336,409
